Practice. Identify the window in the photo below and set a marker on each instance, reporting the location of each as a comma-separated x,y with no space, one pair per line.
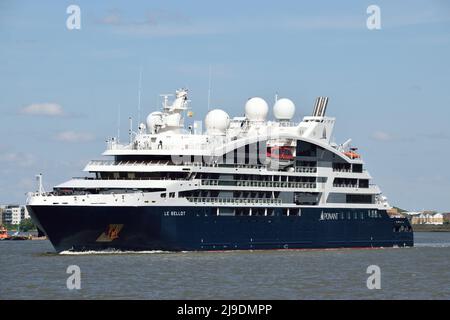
359,198
363,183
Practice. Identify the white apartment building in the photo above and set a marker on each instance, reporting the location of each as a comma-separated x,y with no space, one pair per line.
14,214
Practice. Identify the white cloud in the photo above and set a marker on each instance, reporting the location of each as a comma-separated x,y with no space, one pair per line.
149,30
43,109
18,158
159,23
381,136
112,18
72,136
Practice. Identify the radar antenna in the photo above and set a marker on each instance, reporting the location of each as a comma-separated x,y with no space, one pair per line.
209,87
139,95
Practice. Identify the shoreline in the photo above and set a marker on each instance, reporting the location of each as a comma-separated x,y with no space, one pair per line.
431,228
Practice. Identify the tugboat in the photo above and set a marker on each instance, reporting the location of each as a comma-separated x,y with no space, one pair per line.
15,236
3,233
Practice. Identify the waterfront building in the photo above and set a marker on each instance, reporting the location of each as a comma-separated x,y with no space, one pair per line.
14,214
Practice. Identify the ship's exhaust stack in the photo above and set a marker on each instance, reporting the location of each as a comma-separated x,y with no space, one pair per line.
320,107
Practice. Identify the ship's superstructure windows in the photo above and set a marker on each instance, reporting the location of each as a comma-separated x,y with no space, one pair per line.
306,149
306,198
345,182
359,198
363,183
143,175
341,166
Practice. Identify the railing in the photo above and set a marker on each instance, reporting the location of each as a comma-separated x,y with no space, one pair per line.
343,185
234,200
257,183
148,145
128,163
370,186
306,169
194,164
131,179
341,170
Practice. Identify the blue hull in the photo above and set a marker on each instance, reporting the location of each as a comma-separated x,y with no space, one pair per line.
199,228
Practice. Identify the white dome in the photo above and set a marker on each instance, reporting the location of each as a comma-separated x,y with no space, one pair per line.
256,109
152,120
284,109
217,121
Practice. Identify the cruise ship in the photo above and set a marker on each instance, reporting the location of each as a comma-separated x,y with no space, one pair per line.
239,183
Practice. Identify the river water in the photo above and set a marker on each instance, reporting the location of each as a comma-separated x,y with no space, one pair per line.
31,270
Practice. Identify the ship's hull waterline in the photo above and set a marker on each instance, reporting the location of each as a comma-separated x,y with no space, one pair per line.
84,228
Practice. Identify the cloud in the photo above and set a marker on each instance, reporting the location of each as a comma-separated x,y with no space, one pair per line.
165,23
17,158
116,17
156,23
43,109
113,18
415,88
72,136
381,136
331,22
437,136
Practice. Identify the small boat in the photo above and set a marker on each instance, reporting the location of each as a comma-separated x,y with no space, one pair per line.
280,156
16,236
280,153
352,154
3,233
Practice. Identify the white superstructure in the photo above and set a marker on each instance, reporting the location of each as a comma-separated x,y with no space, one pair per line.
240,162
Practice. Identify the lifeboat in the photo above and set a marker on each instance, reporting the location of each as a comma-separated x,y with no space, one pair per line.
280,153
352,155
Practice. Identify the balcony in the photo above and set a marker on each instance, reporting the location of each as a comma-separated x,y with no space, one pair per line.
197,200
306,169
264,184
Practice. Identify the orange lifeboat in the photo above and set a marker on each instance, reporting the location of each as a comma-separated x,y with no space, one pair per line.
280,153
352,155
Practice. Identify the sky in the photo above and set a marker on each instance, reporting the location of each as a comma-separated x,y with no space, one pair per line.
389,88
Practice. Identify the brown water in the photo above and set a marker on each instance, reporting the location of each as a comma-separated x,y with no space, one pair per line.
30,270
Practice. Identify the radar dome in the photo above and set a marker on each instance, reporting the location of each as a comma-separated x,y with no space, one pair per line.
217,121
256,109
153,119
284,109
